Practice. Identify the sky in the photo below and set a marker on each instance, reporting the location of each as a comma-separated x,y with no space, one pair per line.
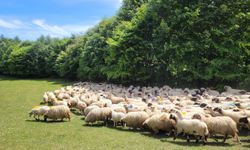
29,19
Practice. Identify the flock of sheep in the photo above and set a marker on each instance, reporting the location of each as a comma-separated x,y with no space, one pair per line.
200,113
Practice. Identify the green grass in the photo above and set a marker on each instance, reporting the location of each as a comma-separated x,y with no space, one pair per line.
18,131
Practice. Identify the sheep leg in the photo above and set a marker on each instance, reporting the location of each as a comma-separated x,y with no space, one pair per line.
204,140
188,139
175,135
237,138
114,124
225,138
197,139
156,131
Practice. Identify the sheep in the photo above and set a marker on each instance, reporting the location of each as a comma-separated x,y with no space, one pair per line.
89,108
56,103
117,117
81,106
189,126
230,90
236,116
57,112
159,122
72,102
222,125
45,98
135,119
99,114
114,99
245,121
38,111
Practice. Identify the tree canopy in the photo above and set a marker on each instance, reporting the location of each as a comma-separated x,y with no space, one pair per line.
175,42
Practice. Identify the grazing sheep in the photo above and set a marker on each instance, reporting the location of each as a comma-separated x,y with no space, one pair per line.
57,112
232,91
38,111
159,122
81,106
236,116
89,108
189,126
117,117
135,119
57,103
222,125
99,114
115,99
45,98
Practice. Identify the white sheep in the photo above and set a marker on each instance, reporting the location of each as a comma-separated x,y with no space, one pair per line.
222,125
99,114
38,111
189,126
135,119
236,116
57,112
89,108
81,106
115,99
159,122
117,117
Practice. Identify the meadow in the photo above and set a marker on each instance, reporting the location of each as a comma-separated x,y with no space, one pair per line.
18,131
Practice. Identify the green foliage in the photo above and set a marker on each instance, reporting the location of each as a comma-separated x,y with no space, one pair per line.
67,62
175,42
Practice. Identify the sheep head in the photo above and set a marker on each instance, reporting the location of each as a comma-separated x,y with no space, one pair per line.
196,116
173,117
219,110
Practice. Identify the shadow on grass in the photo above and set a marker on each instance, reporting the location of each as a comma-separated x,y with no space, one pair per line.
160,135
94,125
42,121
192,143
76,112
51,80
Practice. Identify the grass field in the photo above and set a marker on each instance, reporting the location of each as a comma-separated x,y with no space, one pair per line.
18,131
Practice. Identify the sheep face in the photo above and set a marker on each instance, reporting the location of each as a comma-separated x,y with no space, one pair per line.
196,116
219,110
173,117
243,120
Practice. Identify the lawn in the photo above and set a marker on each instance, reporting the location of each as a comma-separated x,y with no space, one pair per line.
18,131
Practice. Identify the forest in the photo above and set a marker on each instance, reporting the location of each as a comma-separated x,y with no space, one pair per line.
148,42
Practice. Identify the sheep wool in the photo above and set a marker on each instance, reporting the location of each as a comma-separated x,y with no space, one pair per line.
57,112
38,111
159,122
222,125
135,119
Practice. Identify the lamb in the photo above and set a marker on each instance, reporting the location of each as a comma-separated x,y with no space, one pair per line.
189,126
159,122
57,112
135,119
222,125
117,117
38,111
99,114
